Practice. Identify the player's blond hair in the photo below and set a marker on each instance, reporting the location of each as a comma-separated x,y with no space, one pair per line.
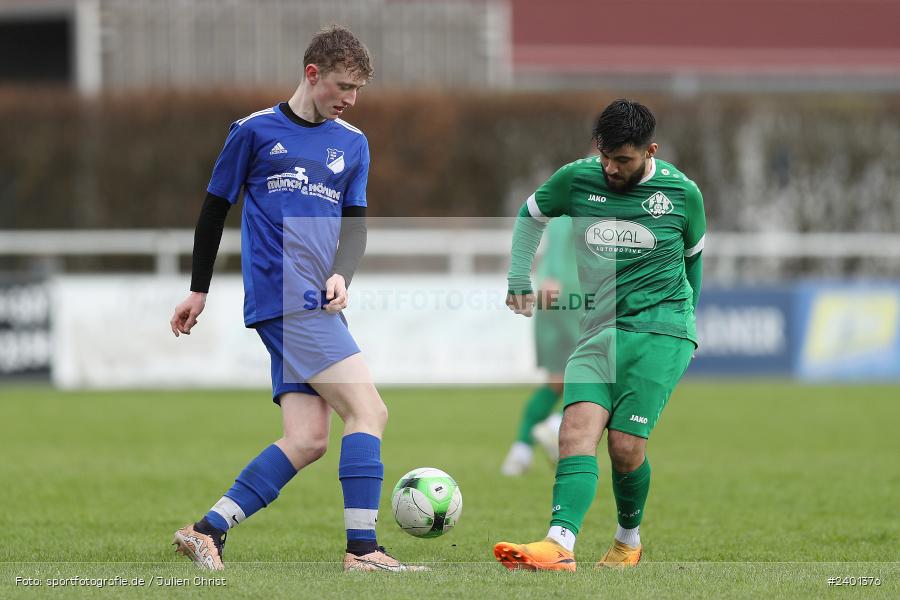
335,46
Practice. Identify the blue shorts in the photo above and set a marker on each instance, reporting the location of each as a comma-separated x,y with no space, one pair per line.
302,345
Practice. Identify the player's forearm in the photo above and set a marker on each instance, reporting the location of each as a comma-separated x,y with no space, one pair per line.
526,238
207,237
351,242
553,260
693,266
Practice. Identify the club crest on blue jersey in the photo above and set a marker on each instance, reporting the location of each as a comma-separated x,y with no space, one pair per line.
335,160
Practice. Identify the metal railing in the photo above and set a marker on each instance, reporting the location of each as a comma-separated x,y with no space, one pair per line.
461,248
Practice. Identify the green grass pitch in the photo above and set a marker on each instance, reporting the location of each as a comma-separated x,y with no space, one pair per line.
759,489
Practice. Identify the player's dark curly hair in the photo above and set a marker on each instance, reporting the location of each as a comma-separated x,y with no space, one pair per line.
624,122
335,46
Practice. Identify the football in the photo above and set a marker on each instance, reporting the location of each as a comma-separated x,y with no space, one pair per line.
426,502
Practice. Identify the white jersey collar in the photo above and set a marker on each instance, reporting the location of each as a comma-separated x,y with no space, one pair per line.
650,173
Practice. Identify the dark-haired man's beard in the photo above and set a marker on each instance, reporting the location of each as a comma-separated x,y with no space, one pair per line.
626,185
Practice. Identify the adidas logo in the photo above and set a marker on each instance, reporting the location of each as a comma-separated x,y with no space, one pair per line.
278,149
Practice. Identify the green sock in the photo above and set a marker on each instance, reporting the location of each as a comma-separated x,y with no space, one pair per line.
573,493
538,408
631,490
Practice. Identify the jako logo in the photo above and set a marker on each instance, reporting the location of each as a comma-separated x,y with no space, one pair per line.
619,240
638,419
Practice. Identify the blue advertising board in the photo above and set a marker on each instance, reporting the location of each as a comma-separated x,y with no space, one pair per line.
818,331
746,331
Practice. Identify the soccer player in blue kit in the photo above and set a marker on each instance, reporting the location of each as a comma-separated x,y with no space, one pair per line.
304,172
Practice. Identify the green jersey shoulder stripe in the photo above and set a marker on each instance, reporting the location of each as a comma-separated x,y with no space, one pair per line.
698,247
535,211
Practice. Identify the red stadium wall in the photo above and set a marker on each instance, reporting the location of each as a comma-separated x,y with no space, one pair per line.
769,36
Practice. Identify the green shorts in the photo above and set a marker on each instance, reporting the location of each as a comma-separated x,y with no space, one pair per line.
630,374
555,334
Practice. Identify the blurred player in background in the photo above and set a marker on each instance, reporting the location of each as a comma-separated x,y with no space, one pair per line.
640,227
556,330
304,173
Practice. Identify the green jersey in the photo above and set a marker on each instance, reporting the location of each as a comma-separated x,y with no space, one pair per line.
630,246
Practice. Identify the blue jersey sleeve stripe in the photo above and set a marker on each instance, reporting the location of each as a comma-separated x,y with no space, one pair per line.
265,111
348,126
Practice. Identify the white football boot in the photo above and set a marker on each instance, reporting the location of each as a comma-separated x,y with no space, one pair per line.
546,433
518,460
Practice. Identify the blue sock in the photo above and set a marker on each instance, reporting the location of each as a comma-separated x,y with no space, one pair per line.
257,486
361,474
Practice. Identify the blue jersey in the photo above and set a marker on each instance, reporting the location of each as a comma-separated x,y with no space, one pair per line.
296,180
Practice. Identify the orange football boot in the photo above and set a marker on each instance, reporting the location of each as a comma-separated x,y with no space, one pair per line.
545,555
620,555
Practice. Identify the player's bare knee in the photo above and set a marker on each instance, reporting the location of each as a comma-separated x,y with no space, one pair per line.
379,414
371,417
307,449
626,452
577,438
570,445
317,449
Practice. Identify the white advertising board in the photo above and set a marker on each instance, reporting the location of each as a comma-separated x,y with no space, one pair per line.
113,332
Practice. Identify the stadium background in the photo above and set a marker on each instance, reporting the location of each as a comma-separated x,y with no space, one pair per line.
787,114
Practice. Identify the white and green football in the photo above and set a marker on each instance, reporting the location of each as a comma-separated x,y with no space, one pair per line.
426,502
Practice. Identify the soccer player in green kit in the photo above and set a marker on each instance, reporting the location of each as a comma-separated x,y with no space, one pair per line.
556,330
639,229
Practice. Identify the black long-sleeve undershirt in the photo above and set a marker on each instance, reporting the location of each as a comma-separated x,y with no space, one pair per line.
207,237
352,241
